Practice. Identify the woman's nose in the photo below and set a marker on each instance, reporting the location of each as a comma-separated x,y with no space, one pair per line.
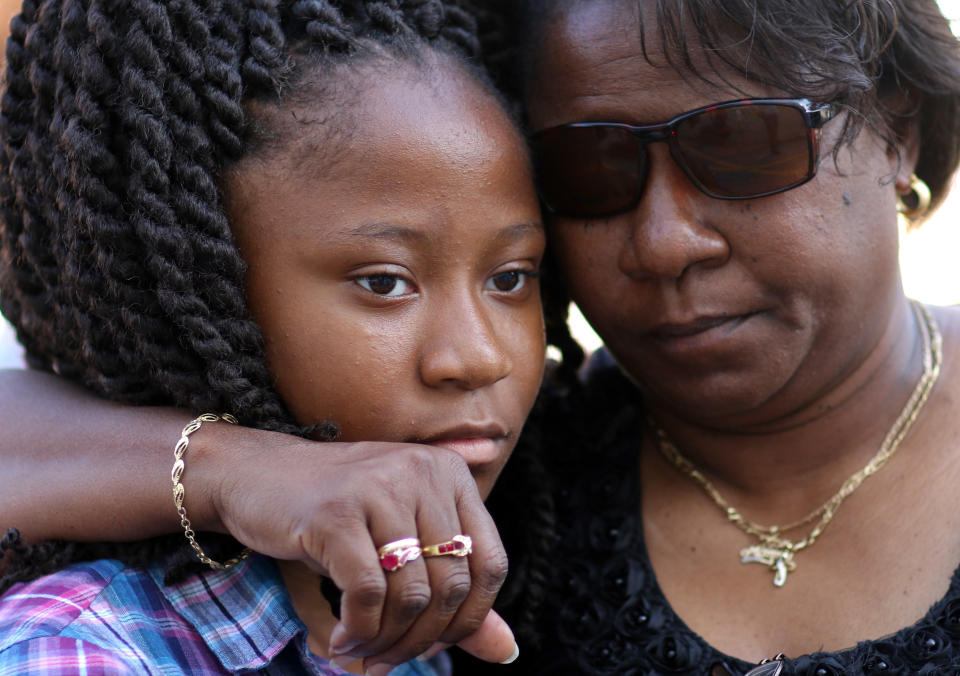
464,347
667,236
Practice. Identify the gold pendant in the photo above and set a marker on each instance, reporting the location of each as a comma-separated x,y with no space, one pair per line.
780,560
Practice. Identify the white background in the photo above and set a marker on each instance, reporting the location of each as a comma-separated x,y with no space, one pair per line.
928,257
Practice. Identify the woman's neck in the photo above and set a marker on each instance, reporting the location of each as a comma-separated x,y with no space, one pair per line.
312,609
802,458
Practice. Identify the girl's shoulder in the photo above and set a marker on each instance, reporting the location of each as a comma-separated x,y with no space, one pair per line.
75,620
51,603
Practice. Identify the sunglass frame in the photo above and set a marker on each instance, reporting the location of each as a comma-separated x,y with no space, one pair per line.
815,115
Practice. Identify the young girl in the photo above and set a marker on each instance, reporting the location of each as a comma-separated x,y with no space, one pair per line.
315,217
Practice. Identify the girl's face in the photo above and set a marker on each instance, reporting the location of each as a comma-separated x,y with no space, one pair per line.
717,308
393,251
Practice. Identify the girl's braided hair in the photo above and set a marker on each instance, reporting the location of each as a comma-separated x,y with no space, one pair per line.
117,264
118,268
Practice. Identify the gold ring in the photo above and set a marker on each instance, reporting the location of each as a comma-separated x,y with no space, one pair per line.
395,555
458,545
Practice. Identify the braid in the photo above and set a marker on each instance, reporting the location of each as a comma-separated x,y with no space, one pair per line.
323,24
556,307
385,15
525,488
497,25
23,238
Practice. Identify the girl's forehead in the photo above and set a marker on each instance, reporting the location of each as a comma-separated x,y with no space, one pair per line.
384,107
436,136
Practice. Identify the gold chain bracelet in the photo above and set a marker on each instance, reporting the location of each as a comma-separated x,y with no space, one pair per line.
177,472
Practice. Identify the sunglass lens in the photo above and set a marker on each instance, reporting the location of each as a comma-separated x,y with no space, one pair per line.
747,150
588,171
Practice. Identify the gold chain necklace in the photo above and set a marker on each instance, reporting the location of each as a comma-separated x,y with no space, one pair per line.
773,549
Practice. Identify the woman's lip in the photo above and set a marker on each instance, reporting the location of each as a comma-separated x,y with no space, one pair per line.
694,327
702,338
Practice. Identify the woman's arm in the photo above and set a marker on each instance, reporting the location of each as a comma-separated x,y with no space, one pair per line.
80,468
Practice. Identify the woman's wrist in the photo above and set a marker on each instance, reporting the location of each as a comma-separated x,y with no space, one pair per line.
214,450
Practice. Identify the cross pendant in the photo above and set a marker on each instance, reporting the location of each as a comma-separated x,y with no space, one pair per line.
780,560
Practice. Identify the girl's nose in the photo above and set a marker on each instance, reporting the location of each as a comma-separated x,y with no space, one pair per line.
667,236
464,348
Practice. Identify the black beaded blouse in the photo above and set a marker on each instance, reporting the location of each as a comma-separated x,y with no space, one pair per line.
606,613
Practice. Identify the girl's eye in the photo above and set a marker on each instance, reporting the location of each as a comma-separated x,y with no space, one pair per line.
384,285
510,280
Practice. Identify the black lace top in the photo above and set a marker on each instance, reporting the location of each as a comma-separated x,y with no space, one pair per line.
606,613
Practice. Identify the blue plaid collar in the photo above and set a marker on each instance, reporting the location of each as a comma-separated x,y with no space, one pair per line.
244,635
249,636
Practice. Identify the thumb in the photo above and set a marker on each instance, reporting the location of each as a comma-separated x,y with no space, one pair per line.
493,641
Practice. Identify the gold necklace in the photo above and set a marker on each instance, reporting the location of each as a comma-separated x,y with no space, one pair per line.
772,548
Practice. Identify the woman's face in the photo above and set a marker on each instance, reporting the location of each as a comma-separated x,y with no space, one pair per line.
716,308
392,266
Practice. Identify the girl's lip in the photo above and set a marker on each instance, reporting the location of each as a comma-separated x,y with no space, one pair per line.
474,450
476,443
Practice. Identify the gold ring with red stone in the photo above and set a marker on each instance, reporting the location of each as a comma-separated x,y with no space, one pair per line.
395,555
458,545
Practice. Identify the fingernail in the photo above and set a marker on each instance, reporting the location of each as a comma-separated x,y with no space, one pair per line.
335,665
432,651
338,640
514,656
378,670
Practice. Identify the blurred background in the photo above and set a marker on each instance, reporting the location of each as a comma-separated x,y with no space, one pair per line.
928,256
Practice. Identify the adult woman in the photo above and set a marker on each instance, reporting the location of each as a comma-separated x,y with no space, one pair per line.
769,336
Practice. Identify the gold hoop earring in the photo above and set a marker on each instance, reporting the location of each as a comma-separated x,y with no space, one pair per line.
915,203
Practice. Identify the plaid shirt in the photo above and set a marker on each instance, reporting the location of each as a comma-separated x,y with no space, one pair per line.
105,618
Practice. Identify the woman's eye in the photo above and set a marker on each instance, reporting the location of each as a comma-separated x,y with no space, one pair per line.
511,280
384,285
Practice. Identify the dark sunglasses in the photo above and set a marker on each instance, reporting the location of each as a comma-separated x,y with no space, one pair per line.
735,150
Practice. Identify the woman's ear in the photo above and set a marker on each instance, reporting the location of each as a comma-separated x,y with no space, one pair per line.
913,195
905,150
909,153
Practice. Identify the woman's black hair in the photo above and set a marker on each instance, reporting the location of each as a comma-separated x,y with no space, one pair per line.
117,264
893,64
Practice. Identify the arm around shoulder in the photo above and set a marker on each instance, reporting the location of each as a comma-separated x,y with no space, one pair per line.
82,468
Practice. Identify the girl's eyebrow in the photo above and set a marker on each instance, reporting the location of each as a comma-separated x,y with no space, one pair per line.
402,233
392,231
520,231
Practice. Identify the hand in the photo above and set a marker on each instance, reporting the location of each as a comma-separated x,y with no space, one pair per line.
331,505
